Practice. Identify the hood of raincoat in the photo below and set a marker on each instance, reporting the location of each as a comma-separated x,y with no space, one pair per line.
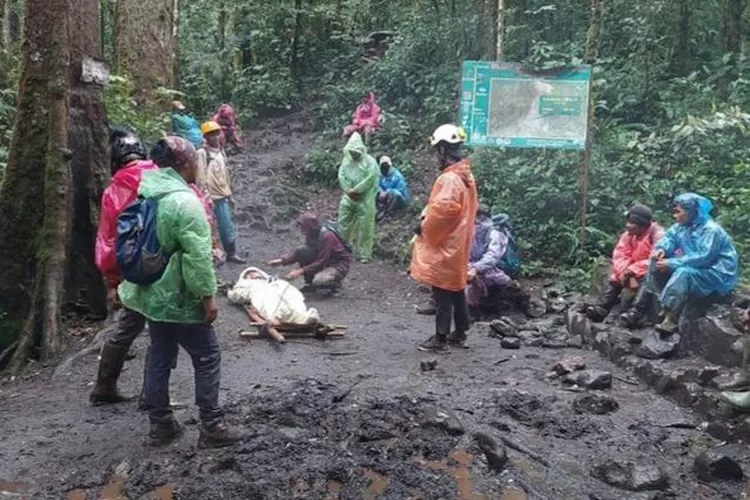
310,225
697,207
225,111
162,181
129,176
355,143
263,274
463,170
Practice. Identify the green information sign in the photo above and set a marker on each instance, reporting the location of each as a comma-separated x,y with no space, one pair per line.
507,105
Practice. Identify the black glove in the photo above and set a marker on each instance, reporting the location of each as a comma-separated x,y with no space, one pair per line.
418,229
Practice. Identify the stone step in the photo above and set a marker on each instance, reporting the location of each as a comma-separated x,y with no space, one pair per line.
689,377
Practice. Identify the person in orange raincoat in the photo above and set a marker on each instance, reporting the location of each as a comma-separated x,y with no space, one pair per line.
629,260
441,249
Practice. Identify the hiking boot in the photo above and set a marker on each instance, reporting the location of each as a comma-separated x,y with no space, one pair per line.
163,433
105,391
434,343
607,301
630,319
597,314
234,259
218,436
740,380
669,325
458,339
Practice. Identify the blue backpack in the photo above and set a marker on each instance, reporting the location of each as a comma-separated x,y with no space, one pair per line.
510,263
139,255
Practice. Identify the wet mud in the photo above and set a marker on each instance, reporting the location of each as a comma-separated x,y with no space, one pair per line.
354,417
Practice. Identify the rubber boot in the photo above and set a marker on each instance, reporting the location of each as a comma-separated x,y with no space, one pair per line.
110,366
434,343
607,301
458,339
636,314
669,325
218,436
163,433
741,380
231,249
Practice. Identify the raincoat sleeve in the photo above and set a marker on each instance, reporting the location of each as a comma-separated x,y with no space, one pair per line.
639,268
622,257
495,250
194,240
106,236
444,208
200,178
323,256
370,181
668,244
400,185
707,250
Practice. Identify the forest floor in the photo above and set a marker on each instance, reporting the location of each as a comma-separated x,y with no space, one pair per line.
349,418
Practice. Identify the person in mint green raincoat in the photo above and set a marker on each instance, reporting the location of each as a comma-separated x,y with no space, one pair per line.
358,177
181,305
696,258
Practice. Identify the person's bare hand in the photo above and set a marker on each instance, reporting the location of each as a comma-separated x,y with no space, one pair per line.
662,264
633,283
113,299
293,275
210,309
657,254
275,263
745,318
472,274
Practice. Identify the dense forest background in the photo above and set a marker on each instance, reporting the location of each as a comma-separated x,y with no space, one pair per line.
670,95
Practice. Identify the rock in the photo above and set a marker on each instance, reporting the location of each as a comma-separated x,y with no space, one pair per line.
569,364
504,327
719,464
578,324
656,346
590,379
536,308
631,476
576,342
446,421
427,365
496,454
510,343
535,342
707,375
596,404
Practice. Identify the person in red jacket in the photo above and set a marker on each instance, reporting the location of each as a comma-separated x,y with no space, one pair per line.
629,260
128,162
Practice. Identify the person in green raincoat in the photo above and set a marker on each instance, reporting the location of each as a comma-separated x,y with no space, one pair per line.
358,177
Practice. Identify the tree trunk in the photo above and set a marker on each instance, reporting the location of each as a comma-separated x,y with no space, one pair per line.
682,50
590,56
733,33
225,60
295,70
500,30
4,25
145,46
244,32
56,171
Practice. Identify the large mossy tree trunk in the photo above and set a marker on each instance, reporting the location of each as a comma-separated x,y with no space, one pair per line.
144,49
55,174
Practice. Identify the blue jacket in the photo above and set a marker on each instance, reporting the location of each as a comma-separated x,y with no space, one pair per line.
700,249
394,182
187,127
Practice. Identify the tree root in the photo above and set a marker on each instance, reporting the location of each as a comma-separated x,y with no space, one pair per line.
7,353
95,346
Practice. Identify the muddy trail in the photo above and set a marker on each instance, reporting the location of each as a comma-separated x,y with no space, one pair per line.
355,417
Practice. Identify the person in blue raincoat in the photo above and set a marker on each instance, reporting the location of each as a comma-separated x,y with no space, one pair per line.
393,192
185,126
696,258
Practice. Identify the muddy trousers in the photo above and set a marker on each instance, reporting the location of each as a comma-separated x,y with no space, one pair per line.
450,306
200,342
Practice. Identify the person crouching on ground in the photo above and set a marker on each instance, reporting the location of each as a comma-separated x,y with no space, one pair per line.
181,306
696,259
629,265
324,261
214,180
488,248
444,236
128,163
358,178
393,193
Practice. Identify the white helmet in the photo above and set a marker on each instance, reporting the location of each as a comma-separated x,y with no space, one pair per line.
448,133
385,160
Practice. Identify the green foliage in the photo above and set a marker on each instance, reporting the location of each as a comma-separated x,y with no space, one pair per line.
123,110
323,167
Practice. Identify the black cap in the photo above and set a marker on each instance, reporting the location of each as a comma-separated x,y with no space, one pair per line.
640,215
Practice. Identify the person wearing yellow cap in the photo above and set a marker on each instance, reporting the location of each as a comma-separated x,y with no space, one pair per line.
214,180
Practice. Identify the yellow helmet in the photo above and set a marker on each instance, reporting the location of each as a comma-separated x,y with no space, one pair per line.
210,126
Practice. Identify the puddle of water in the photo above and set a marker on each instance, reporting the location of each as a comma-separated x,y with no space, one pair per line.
378,485
113,489
77,495
13,487
165,492
463,477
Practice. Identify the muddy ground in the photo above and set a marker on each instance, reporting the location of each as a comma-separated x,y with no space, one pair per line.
349,418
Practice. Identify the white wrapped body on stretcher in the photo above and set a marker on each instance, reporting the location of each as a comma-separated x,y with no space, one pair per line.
275,300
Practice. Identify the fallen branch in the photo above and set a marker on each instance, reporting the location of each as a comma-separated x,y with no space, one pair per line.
625,380
526,451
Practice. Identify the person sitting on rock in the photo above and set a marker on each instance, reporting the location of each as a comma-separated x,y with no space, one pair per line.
393,193
487,249
629,260
696,259
367,118
324,261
